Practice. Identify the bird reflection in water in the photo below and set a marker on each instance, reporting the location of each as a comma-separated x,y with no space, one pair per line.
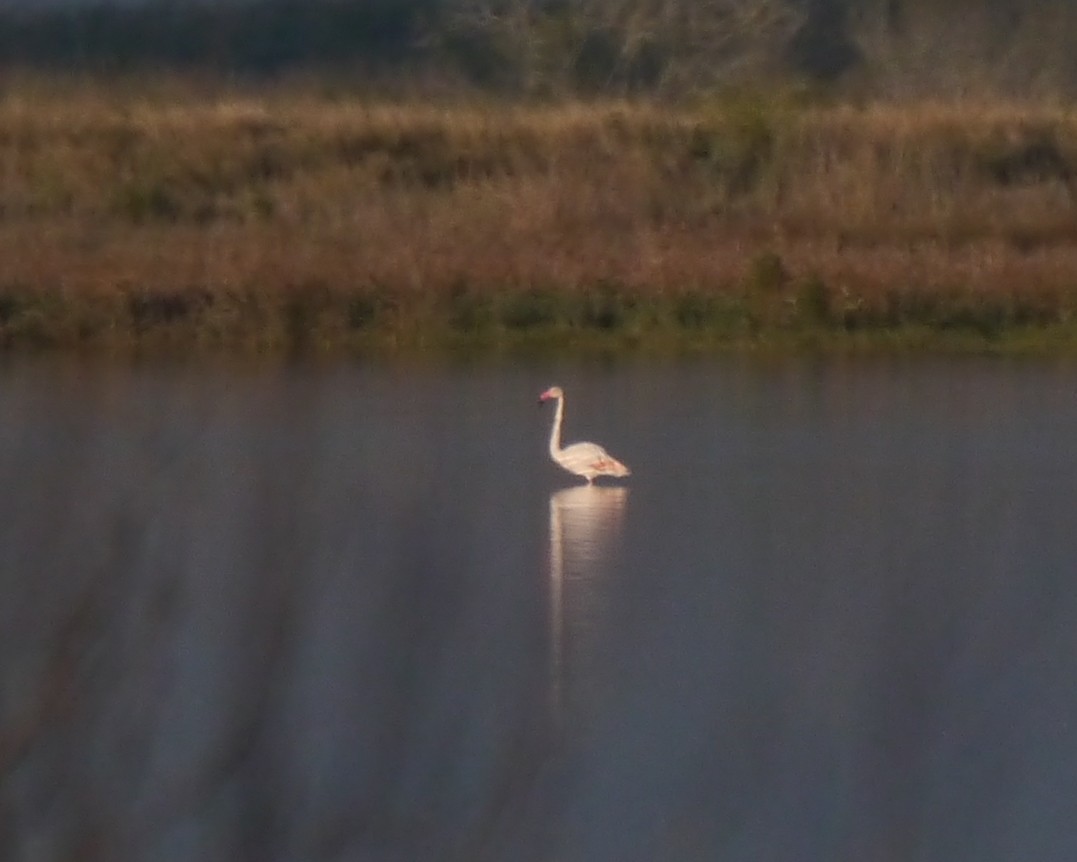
585,532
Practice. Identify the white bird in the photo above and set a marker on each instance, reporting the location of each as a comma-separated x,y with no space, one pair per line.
583,459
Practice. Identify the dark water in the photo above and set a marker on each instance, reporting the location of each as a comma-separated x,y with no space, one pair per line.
354,613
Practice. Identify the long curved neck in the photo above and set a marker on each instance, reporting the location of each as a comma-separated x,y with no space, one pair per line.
555,431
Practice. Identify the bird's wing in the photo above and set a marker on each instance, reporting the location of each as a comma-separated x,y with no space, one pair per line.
586,456
585,451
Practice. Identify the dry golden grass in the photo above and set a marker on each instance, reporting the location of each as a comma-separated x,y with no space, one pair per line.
256,203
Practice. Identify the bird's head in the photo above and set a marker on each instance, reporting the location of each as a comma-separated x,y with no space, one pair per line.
551,393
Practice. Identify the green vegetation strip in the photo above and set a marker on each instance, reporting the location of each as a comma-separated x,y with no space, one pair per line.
782,315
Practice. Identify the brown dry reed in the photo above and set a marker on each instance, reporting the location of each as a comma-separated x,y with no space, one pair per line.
288,219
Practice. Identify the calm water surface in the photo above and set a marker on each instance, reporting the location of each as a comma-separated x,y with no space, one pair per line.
354,613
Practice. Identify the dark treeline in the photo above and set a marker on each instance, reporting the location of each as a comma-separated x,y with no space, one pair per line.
259,36
903,48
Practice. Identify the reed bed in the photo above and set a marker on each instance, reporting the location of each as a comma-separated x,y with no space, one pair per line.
287,219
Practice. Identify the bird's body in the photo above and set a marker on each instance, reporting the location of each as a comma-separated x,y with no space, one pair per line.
584,459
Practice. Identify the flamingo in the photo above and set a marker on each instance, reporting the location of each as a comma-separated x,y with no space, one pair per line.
583,459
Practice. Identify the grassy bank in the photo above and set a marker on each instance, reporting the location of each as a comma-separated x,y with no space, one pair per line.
293,220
